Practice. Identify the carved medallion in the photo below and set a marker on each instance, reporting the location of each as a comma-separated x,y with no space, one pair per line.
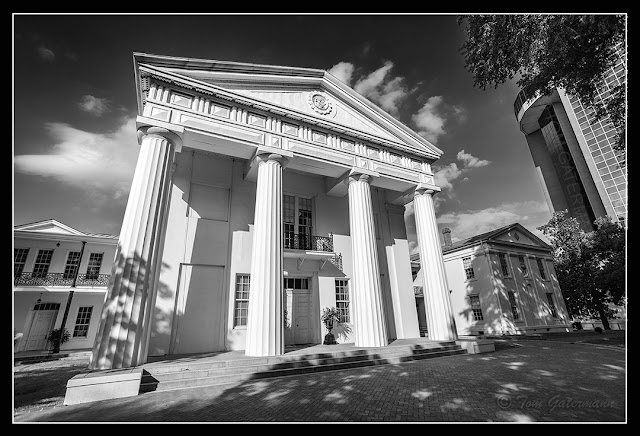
320,103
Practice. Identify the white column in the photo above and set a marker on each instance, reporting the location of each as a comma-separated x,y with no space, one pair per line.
265,322
370,328
440,321
123,333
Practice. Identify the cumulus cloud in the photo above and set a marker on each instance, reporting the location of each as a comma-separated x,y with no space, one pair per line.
378,87
343,72
530,214
94,105
471,161
101,164
445,175
430,119
46,54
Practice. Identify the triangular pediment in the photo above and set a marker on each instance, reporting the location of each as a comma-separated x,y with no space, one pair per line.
306,94
48,226
518,234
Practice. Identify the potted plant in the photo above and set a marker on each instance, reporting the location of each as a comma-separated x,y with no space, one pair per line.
55,334
330,317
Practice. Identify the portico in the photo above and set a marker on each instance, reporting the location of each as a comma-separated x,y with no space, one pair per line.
250,176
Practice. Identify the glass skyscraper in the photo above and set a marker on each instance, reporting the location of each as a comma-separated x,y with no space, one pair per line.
573,152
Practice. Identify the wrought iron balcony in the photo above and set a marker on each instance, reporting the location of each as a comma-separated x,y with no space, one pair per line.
337,261
298,241
61,279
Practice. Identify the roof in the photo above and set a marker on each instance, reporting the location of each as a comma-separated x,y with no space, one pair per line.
477,239
54,227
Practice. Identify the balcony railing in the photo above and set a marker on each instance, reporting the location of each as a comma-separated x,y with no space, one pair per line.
337,261
298,241
61,279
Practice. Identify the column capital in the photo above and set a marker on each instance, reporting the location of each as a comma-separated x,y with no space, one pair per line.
361,174
422,189
268,156
170,136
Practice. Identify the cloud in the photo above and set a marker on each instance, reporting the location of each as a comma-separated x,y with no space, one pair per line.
460,113
445,175
46,54
430,120
471,161
343,72
530,214
94,105
101,164
389,93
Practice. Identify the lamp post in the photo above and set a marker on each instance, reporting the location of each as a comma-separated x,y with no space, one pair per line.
56,348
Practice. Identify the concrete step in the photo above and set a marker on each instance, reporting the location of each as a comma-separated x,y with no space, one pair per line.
193,374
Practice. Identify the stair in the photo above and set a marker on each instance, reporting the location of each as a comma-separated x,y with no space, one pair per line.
166,376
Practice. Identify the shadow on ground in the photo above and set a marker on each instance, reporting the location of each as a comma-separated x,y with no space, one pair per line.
523,381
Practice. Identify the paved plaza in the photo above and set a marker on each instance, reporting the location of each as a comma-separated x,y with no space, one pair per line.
523,381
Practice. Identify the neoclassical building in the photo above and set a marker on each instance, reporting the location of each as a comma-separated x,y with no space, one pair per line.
262,195
502,282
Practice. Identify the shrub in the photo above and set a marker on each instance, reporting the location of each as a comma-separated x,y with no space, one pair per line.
55,334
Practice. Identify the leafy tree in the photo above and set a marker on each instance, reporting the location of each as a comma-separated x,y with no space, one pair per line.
590,266
573,52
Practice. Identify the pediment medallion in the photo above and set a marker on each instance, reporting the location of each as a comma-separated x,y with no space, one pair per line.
320,102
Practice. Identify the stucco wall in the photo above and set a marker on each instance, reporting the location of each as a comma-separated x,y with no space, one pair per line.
214,227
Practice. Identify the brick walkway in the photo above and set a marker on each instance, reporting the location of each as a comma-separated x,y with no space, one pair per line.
532,381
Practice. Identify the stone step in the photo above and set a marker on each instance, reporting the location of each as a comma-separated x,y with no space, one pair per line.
154,379
293,360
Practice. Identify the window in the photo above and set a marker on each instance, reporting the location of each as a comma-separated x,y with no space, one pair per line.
297,221
552,306
242,300
475,307
342,299
93,268
73,261
47,306
43,260
503,264
468,268
514,306
523,266
541,269
19,259
82,322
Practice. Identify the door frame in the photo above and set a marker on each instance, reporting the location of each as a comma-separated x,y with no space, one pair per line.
33,314
291,291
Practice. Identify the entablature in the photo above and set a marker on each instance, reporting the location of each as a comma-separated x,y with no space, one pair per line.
223,126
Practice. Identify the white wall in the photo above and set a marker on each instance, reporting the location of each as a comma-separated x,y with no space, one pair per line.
210,223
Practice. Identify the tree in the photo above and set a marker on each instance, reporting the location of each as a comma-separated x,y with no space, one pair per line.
573,52
590,266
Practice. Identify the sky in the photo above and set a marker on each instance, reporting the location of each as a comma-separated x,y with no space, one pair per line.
74,136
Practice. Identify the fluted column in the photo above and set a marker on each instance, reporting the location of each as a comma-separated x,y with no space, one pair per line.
370,329
440,321
265,328
123,334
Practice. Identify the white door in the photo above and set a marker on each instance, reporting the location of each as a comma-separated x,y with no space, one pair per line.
43,322
199,313
298,305
301,317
